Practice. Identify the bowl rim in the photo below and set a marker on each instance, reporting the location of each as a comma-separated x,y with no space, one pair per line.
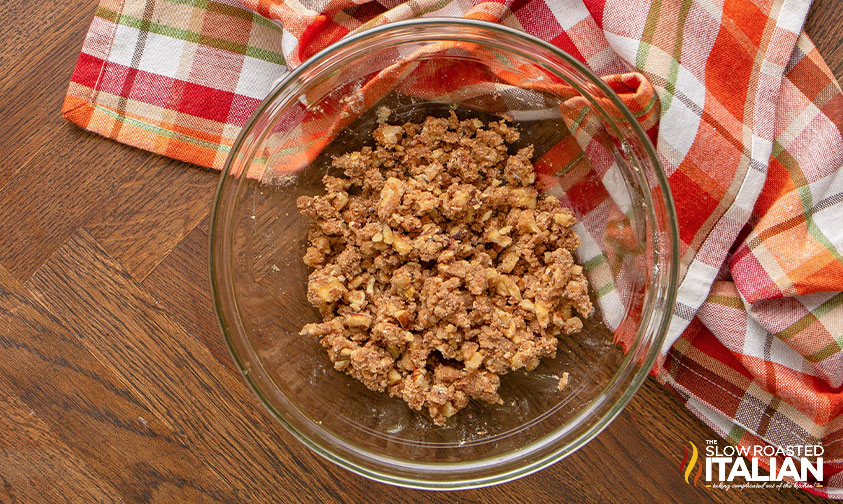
640,374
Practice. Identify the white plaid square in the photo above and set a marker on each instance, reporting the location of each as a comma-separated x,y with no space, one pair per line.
126,41
257,77
162,55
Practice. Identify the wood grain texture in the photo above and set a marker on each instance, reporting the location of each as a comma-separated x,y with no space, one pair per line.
41,41
35,460
193,309
825,27
115,384
163,217
91,411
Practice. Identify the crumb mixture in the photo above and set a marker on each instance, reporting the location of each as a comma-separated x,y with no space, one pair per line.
563,382
438,266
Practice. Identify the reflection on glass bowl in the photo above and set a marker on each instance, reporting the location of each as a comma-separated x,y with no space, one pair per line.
608,174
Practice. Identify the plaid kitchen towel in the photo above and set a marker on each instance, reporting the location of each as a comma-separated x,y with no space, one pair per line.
750,122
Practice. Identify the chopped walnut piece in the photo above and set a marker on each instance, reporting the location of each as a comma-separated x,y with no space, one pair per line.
563,382
438,266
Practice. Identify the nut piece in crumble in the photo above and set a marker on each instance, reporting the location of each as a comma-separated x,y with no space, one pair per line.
437,265
563,382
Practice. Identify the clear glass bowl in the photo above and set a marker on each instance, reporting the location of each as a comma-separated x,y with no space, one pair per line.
615,186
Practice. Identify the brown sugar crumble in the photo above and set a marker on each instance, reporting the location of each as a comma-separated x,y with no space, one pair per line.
563,382
437,265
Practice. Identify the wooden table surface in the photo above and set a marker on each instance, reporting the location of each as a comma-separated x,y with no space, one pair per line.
115,385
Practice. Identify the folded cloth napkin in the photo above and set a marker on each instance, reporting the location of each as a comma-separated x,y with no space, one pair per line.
750,133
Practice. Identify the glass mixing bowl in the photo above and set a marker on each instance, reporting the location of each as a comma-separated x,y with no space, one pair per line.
590,152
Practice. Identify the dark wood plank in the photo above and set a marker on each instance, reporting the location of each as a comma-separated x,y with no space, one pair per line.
91,411
151,212
41,42
34,465
24,27
57,190
180,284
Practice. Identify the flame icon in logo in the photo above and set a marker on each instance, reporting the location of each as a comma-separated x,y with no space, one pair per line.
687,466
